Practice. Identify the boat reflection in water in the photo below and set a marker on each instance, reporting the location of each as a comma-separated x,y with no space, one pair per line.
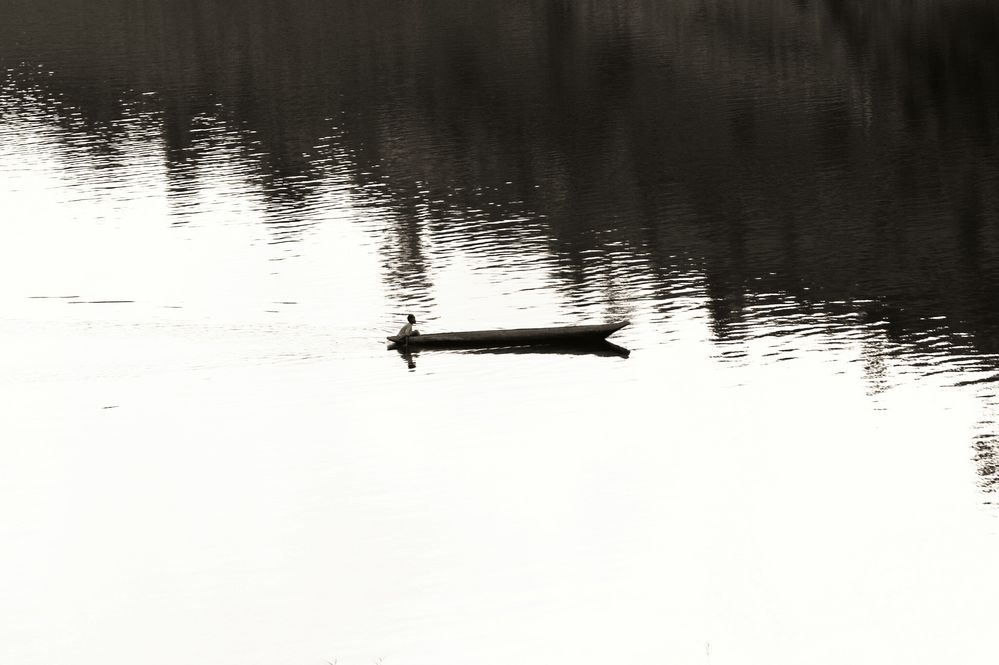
601,348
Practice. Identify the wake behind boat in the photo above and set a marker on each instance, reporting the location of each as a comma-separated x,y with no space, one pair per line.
563,335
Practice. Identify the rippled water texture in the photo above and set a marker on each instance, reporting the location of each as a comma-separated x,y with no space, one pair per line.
214,212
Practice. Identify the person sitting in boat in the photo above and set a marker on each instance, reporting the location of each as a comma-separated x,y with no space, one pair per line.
408,330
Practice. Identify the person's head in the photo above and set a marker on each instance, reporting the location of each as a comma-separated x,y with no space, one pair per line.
411,318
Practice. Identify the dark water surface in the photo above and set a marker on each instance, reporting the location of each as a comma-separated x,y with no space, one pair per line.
213,212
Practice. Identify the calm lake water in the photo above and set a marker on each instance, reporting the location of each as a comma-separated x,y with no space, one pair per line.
214,212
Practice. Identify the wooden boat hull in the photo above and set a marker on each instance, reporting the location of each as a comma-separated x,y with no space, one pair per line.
513,337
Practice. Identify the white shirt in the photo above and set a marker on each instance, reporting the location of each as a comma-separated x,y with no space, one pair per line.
406,330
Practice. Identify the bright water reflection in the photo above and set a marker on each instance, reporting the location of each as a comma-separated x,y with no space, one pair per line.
212,218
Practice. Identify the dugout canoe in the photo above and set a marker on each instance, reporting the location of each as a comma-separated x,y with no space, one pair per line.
512,337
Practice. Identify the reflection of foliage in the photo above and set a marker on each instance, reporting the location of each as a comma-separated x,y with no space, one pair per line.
945,51
987,459
766,141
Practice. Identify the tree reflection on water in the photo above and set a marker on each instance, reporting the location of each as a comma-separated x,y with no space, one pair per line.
841,153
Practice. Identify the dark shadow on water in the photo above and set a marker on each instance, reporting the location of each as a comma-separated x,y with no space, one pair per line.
622,141
602,349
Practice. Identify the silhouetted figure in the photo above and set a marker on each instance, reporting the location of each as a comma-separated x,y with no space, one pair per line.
407,330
